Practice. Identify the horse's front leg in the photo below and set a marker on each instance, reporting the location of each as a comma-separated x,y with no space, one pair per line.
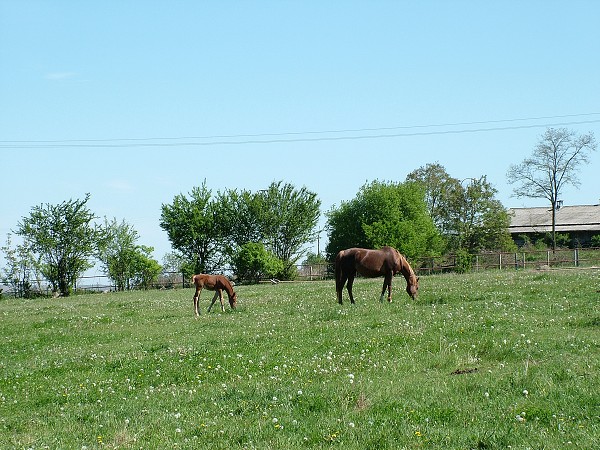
220,292
387,283
196,298
214,299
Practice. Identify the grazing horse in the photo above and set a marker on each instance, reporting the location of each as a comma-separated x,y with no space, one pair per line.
216,283
373,263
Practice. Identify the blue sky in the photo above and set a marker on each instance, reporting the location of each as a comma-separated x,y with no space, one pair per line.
136,102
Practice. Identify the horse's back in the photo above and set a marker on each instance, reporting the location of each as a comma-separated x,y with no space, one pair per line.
210,281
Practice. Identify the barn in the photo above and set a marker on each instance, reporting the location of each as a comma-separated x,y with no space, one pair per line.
581,222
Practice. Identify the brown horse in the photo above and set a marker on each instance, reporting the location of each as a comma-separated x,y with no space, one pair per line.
216,283
373,263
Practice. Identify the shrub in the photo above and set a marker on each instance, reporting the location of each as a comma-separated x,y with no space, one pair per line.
253,262
464,261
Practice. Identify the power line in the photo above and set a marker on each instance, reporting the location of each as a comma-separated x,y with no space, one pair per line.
235,139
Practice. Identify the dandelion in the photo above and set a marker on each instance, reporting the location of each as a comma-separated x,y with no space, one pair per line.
418,433
351,424
275,420
525,392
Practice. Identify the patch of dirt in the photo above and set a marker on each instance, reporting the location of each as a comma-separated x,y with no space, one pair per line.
464,371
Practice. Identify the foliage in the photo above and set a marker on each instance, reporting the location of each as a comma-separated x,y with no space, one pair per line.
194,229
475,220
126,263
464,261
553,164
482,360
468,216
382,214
64,239
438,185
22,269
281,217
209,232
145,269
314,259
595,240
253,263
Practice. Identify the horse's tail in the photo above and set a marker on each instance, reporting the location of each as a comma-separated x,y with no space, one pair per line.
338,271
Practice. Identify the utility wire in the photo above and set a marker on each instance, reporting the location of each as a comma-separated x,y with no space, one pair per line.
236,139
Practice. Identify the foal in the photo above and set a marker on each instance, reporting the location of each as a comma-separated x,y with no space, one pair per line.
216,283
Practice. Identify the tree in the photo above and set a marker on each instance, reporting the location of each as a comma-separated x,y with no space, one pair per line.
64,239
552,165
281,217
126,263
194,229
474,220
253,262
393,214
145,269
21,269
289,217
438,184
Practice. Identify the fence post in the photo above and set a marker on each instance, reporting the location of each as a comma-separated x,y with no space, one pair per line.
500,261
576,257
548,257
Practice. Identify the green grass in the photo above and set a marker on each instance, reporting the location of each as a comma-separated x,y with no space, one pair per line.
489,360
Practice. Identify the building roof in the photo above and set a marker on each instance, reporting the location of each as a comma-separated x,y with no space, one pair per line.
568,218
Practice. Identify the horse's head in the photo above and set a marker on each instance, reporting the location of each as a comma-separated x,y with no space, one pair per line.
233,300
412,287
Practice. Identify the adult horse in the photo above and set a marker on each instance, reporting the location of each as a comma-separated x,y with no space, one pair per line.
217,283
385,262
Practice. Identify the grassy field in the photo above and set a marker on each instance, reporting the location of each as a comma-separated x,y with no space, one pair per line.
490,360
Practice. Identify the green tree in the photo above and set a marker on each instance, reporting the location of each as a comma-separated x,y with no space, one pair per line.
194,229
475,220
314,259
126,263
145,269
289,218
393,214
21,269
253,262
281,217
64,239
437,184
553,164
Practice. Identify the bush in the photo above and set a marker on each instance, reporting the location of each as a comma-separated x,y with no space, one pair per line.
253,262
464,261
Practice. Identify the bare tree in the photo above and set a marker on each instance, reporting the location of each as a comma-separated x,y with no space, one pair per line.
552,165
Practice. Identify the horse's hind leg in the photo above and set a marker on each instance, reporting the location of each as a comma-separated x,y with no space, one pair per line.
214,299
340,288
349,287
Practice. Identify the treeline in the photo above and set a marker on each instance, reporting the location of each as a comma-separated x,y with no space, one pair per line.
257,235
